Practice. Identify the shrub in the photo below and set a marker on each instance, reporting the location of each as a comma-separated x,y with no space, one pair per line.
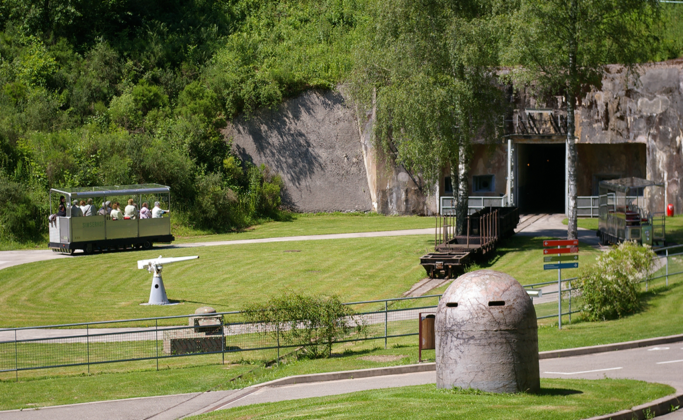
314,322
24,215
610,288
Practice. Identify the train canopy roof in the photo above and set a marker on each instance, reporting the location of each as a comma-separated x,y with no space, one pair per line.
626,185
114,190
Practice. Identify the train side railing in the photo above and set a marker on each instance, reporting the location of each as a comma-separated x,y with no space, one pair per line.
231,338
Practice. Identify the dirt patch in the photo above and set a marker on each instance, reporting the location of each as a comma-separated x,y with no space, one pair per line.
385,358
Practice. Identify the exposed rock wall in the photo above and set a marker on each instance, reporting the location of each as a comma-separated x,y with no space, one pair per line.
649,111
326,157
313,142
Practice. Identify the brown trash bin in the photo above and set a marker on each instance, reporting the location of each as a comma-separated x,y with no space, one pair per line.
426,336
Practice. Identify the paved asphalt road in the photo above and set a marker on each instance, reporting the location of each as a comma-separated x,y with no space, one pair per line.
662,364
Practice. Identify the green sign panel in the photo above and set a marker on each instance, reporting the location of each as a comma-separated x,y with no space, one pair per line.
559,258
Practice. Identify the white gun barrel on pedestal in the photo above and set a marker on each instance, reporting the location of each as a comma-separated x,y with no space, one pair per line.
157,295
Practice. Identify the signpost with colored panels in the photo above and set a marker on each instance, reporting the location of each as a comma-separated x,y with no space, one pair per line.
559,259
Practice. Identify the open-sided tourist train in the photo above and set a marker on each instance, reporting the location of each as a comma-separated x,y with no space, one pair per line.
483,230
629,211
100,232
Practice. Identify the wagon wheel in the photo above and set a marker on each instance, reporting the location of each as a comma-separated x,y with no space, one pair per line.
147,245
88,249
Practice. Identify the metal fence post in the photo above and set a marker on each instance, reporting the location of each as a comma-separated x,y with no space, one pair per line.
16,356
278,344
87,341
223,341
386,322
570,301
156,339
667,267
559,298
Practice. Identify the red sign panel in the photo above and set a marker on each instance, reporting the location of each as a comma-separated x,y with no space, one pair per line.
569,242
572,250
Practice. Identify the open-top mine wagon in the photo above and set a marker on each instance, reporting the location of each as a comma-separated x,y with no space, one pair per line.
483,230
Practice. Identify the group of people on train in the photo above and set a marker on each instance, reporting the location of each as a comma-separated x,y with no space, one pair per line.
111,210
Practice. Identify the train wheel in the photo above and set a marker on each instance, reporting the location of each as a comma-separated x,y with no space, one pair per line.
147,245
88,249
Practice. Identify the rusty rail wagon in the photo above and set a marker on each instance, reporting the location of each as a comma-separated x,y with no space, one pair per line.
484,229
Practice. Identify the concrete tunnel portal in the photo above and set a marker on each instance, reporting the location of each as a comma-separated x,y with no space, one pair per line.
541,177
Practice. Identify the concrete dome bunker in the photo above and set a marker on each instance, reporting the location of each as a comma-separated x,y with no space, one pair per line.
487,335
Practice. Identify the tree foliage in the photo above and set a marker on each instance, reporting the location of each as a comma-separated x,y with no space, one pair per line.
313,322
562,46
119,92
428,68
610,288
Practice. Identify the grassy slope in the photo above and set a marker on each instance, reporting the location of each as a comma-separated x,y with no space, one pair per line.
662,305
109,286
559,399
313,224
296,224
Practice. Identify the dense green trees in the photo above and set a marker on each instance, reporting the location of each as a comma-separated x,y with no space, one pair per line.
121,92
561,46
429,70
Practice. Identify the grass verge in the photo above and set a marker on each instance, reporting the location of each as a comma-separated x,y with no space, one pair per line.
300,224
558,399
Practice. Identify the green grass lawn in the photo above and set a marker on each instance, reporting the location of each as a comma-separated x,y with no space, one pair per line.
109,286
558,399
312,224
296,224
584,222
662,305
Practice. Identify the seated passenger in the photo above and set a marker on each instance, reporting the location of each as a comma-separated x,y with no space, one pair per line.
116,214
144,212
75,210
88,209
61,212
157,213
131,210
105,209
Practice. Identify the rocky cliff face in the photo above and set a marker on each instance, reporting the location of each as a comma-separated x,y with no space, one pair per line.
647,111
313,142
326,157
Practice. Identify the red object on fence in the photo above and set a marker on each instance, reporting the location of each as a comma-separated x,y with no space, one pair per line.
670,210
570,242
572,250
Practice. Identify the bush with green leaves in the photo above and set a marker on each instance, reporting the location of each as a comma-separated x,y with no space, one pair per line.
313,322
22,211
610,288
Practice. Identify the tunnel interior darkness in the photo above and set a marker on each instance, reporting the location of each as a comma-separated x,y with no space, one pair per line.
541,173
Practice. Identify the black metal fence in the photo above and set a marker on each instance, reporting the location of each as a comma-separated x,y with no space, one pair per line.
224,333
